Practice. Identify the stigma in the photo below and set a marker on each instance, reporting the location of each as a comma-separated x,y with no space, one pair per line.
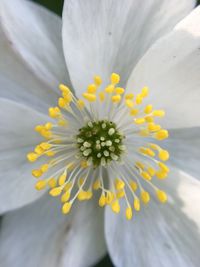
107,141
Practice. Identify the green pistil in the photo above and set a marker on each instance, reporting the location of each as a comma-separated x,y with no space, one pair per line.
100,142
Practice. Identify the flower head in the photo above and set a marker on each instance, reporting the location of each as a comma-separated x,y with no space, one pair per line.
103,141
78,157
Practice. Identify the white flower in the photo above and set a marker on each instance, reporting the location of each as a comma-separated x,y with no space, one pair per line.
99,38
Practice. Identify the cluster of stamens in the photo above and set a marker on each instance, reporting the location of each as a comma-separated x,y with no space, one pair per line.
102,141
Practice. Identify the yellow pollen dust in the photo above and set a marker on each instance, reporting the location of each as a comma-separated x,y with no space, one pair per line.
64,161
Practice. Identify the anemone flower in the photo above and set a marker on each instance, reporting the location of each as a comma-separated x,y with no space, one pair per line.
119,66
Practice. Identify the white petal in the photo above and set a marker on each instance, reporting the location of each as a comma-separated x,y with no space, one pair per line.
17,125
105,36
160,235
171,69
16,182
34,34
17,138
39,235
184,148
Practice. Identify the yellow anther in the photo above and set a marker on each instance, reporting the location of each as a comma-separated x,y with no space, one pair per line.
52,182
114,78
129,103
139,99
54,112
66,207
140,164
92,88
116,98
89,97
129,213
84,164
133,185
89,195
50,153
65,197
119,184
161,135
97,80
163,167
80,104
119,90
154,146
115,206
163,155
38,149
151,171
32,156
46,134
82,195
110,89
153,127
44,167
48,126
161,195
145,91
64,89
149,118
68,186
161,174
150,152
62,122
145,197
45,146
146,176
62,179
129,96
55,191
120,194
38,128
139,120
158,113
136,204
101,96
142,150
67,97
37,173
62,102
40,185
134,112
109,197
102,200
96,184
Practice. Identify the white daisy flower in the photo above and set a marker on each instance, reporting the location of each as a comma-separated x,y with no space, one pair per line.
104,143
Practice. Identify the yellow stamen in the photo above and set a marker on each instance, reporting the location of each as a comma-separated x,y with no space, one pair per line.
114,78
115,206
66,207
161,195
89,97
116,98
129,213
40,184
92,89
55,191
145,197
97,80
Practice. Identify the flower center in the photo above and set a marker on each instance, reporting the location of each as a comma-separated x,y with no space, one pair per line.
103,141
100,142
